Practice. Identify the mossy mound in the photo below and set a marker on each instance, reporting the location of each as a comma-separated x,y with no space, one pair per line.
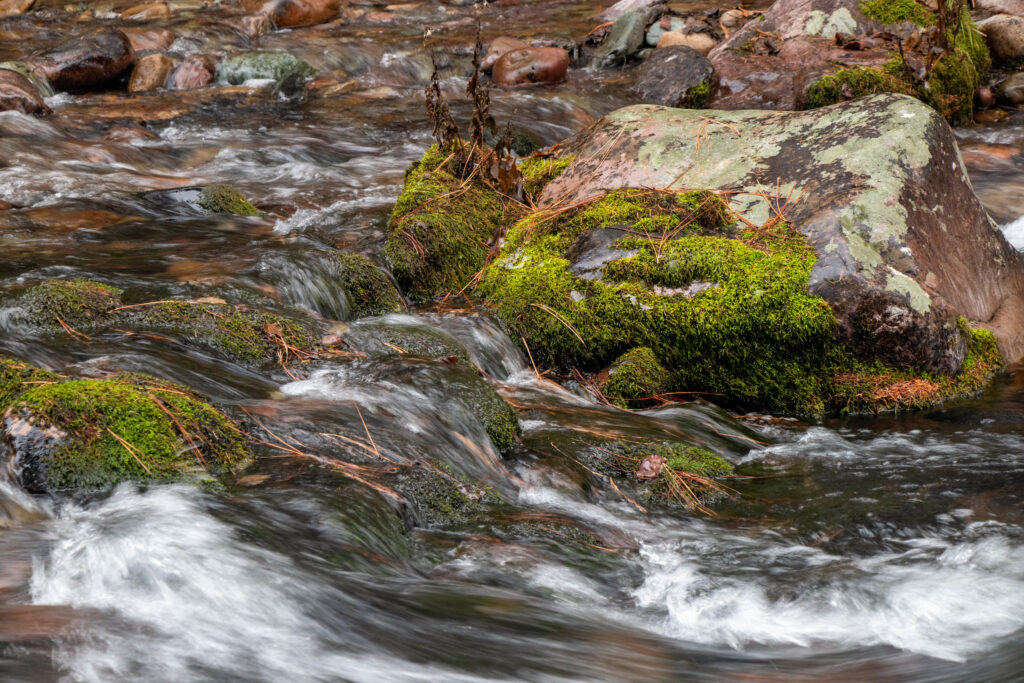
666,474
538,171
369,290
442,226
263,65
951,85
634,379
221,198
439,498
16,377
79,304
243,334
726,310
89,434
493,412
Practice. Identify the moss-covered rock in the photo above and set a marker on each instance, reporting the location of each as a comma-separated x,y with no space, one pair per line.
221,198
493,412
898,11
369,290
405,336
89,434
79,304
263,65
440,498
442,226
634,379
16,377
538,171
855,82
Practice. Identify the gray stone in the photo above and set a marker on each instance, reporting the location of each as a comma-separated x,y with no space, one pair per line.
1004,34
626,37
676,76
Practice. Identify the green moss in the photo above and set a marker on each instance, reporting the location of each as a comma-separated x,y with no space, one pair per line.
263,65
80,304
440,230
244,334
222,198
898,11
173,431
854,82
686,476
493,412
697,97
441,498
16,377
754,336
369,290
635,378
539,171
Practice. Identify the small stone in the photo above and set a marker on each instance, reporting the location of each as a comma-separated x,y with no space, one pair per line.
288,13
531,65
194,72
1011,90
17,93
498,47
149,39
275,66
150,73
667,24
701,42
1004,34
149,12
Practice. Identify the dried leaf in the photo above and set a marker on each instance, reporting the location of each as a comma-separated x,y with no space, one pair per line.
650,468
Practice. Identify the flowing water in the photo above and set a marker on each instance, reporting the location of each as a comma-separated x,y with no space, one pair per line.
872,549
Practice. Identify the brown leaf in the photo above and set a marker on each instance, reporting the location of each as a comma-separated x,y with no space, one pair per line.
650,468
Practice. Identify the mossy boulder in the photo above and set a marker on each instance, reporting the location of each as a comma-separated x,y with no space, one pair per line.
791,58
368,289
405,336
537,171
634,379
221,198
275,66
443,225
53,304
493,412
67,433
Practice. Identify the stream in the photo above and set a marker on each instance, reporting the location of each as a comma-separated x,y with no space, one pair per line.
881,549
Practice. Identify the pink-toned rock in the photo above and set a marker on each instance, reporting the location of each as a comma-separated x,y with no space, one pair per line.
256,25
150,73
285,13
19,94
531,65
148,12
195,72
701,42
497,48
152,39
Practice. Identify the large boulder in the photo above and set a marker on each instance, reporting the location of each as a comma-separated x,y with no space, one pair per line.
810,53
1004,34
87,62
675,76
902,245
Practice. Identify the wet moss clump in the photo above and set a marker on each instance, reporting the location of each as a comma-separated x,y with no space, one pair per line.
79,304
221,198
634,379
725,310
369,290
858,81
667,474
538,171
16,377
442,226
130,427
697,96
440,498
243,334
494,413
898,11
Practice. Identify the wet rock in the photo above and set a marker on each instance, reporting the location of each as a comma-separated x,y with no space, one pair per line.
54,305
368,289
1004,34
195,72
701,42
18,93
1010,90
66,434
623,6
903,245
263,65
221,198
25,70
676,76
531,65
255,26
87,62
664,25
626,37
148,12
150,73
149,39
287,13
497,48
10,8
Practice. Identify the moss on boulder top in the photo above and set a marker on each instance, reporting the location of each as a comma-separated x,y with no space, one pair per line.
80,304
442,227
67,433
221,198
369,290
635,379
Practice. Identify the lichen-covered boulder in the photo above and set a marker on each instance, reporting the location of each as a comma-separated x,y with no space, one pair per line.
64,433
275,66
901,245
778,61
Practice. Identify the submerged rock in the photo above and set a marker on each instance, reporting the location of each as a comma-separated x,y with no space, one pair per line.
634,379
222,198
66,433
275,66
675,76
87,62
369,290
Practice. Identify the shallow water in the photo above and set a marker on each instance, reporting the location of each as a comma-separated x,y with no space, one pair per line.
884,549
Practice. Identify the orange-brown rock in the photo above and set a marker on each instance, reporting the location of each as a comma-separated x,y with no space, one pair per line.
701,42
497,48
18,93
531,65
148,12
195,72
150,73
10,8
86,62
151,39
285,13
